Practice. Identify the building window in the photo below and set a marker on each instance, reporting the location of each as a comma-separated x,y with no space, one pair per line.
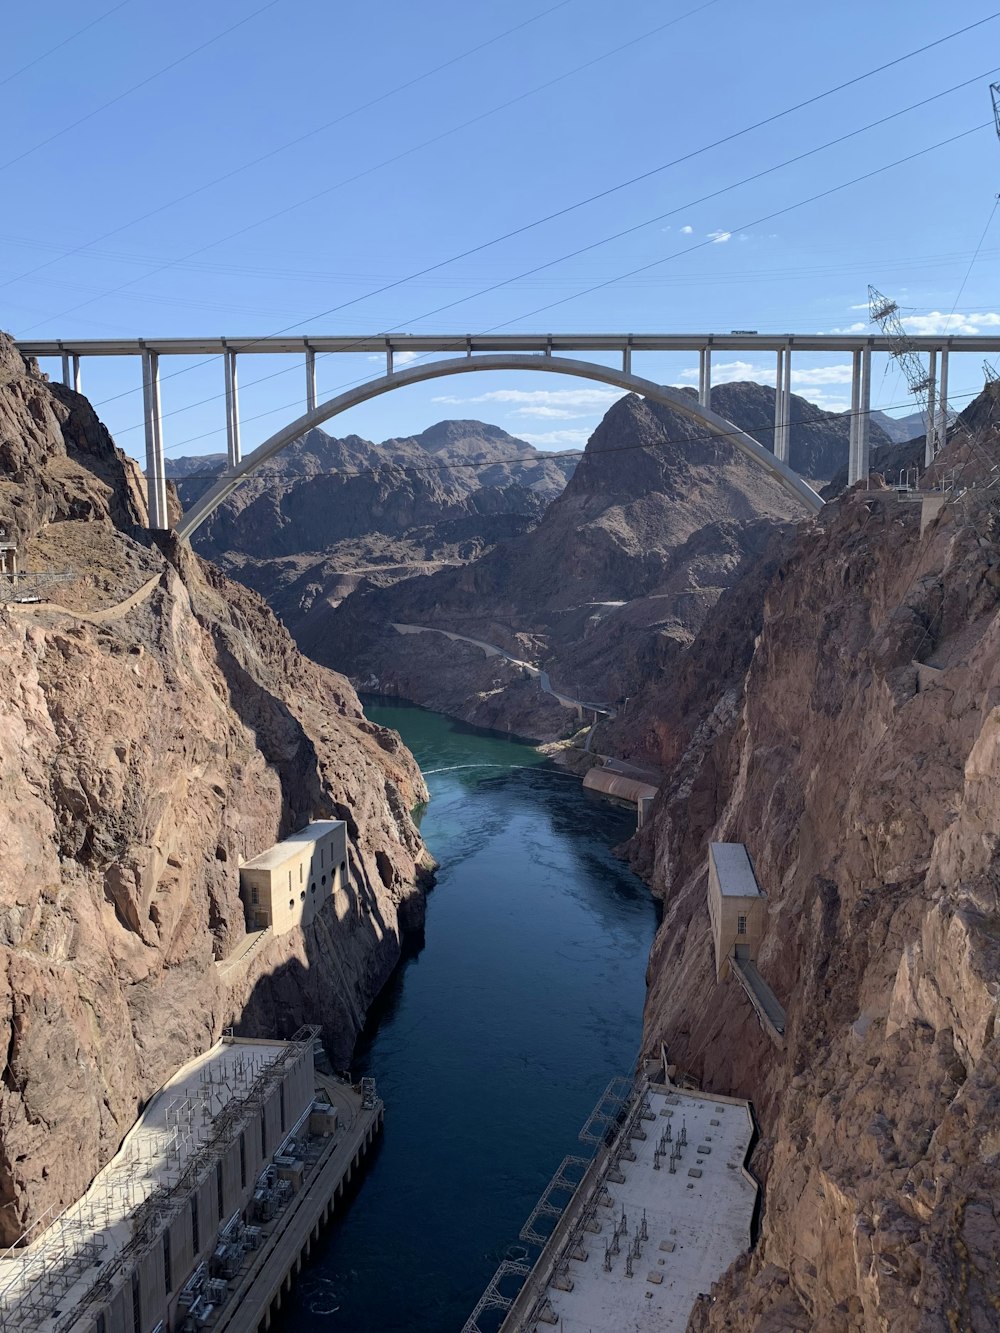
289,881
243,1159
302,896
254,896
168,1280
741,925
218,1190
102,1324
195,1238
281,1101
263,1135
322,857
291,904
136,1304
324,881
300,872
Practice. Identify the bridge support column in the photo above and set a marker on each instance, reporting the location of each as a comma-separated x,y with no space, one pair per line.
783,406
388,360
156,481
942,433
66,378
705,377
778,402
864,416
77,379
232,409
931,437
310,380
854,431
627,361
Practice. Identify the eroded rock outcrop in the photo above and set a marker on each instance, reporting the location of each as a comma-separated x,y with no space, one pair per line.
867,793
158,725
605,593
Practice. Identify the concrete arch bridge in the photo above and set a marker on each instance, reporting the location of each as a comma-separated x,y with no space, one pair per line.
517,352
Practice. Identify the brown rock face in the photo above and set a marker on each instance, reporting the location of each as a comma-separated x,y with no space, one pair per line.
605,593
147,744
870,806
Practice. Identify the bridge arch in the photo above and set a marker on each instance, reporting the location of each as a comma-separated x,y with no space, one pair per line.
398,379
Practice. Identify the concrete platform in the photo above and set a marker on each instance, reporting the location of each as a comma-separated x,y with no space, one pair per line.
697,1221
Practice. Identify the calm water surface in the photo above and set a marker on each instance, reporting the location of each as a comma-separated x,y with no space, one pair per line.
493,1041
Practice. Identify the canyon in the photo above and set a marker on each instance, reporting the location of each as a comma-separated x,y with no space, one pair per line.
825,690
158,726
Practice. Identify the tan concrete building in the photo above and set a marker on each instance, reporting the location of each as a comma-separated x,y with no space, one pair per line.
287,885
736,905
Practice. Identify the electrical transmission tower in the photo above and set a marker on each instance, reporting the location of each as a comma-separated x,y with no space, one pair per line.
885,313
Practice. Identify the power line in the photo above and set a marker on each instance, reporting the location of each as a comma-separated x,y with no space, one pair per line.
378,166
570,208
120,97
65,42
292,143
437,465
606,240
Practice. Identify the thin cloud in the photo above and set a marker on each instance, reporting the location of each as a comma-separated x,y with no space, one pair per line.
936,322
687,231
719,237
558,439
582,400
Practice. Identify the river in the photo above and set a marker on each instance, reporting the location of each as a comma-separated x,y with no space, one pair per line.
495,1037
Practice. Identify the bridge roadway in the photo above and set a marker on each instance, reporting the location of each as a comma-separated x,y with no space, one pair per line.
514,351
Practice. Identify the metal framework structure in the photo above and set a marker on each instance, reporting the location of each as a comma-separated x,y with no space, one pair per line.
73,1243
562,1182
607,1114
493,1298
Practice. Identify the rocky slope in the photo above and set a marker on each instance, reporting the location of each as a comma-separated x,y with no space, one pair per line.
158,725
818,440
604,592
866,790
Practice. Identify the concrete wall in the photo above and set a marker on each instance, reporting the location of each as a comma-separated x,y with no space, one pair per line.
291,894
156,1303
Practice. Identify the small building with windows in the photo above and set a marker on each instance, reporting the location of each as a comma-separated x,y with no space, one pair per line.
287,885
736,905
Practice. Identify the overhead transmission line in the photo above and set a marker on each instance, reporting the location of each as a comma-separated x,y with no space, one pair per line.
292,143
558,213
378,166
9,78
698,245
573,253
150,78
437,465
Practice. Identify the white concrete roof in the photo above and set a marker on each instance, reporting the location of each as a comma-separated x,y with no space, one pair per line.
735,871
176,1122
292,845
697,1224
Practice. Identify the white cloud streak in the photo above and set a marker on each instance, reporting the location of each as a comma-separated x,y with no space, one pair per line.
557,439
936,322
562,403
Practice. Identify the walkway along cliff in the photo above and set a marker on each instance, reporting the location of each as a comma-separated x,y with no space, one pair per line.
148,745
839,714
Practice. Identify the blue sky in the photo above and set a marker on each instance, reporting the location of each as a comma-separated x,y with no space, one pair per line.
338,181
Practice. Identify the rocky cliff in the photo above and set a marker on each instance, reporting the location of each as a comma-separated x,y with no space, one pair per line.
839,713
158,725
818,439
604,593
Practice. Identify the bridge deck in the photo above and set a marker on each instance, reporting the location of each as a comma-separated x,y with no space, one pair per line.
498,342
